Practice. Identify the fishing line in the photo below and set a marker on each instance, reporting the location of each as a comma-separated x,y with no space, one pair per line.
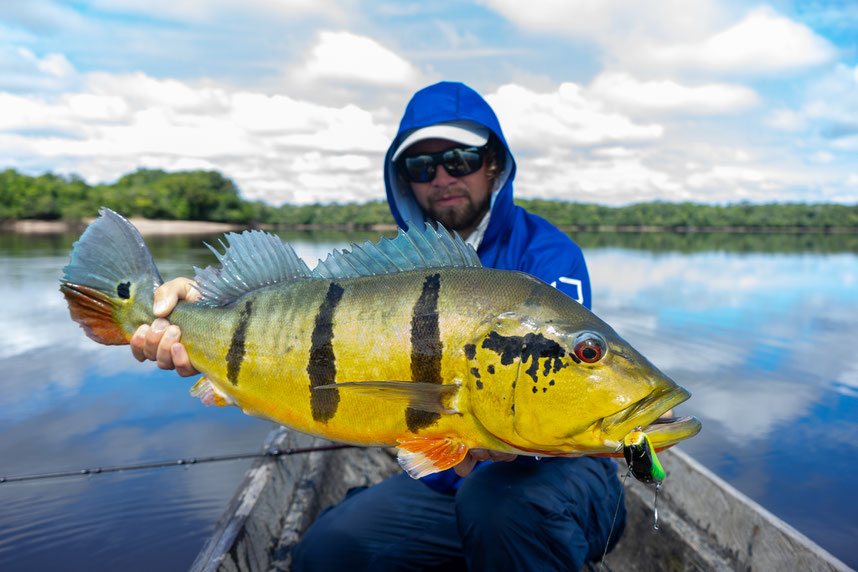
614,521
176,463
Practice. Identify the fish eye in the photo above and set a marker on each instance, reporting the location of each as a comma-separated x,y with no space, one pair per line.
590,347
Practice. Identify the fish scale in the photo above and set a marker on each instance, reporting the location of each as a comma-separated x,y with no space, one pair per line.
408,343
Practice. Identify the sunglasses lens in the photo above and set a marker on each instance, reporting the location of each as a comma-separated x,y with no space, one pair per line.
420,169
457,162
461,162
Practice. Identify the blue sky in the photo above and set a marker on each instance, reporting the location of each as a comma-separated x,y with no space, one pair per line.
613,102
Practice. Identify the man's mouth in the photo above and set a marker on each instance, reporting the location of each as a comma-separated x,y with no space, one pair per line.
448,201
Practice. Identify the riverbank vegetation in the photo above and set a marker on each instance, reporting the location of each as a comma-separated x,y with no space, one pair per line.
208,195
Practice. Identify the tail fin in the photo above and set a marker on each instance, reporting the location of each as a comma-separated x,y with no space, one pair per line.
110,280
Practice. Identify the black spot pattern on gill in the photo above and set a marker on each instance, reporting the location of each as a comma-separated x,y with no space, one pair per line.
426,348
235,355
530,347
322,366
123,290
470,351
475,373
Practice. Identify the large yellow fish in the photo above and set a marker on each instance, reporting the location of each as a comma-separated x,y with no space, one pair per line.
409,342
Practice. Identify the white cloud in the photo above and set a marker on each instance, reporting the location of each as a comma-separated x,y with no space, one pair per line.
611,180
348,57
213,10
274,147
786,120
665,34
668,95
22,70
562,117
607,20
829,110
823,157
763,42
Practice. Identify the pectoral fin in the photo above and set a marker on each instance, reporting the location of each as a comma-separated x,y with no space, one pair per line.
210,394
421,456
430,397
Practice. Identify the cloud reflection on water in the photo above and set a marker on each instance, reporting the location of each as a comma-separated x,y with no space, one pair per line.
764,342
758,339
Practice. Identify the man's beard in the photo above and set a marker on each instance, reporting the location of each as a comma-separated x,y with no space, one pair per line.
465,215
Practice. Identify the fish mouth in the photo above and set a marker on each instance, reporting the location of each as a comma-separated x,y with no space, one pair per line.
663,431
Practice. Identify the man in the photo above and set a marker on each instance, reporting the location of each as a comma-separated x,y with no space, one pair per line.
450,163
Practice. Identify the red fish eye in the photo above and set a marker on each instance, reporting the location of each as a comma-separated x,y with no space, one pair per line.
590,347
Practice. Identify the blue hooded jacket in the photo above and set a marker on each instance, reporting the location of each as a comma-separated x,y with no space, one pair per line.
514,239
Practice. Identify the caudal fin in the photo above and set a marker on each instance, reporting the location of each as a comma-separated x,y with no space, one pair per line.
110,280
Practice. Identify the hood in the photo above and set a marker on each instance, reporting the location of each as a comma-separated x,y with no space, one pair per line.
444,102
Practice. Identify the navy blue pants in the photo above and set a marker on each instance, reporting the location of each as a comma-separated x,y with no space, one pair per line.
551,515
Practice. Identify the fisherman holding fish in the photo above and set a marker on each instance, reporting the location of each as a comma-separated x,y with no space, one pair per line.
450,163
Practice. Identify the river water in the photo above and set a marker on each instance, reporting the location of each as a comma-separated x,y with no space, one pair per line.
762,329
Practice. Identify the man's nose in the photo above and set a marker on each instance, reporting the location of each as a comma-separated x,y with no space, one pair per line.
442,177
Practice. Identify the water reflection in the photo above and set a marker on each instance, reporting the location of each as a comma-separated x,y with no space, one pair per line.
761,328
771,242
765,342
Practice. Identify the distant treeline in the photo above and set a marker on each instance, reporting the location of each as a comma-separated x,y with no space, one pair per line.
208,195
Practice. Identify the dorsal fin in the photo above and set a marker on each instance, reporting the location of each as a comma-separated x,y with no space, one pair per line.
253,259
415,249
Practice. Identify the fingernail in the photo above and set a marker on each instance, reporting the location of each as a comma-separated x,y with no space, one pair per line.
160,325
172,332
160,307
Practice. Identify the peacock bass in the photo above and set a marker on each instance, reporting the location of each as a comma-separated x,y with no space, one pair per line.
408,342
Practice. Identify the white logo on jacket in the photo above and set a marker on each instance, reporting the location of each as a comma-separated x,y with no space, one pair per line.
574,282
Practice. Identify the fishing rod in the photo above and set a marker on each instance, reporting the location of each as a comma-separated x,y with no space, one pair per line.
270,453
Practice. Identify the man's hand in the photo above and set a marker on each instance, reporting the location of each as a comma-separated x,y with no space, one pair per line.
464,468
161,342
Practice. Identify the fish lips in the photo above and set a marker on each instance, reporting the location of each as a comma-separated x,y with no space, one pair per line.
645,412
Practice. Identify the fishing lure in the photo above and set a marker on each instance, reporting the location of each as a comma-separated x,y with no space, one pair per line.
641,458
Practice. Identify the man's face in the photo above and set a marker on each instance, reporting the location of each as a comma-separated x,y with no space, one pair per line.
458,203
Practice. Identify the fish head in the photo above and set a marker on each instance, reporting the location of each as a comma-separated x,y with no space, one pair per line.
569,387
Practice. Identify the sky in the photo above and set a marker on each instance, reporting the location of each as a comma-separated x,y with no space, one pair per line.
611,102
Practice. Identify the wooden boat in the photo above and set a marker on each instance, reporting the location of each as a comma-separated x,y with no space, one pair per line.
703,522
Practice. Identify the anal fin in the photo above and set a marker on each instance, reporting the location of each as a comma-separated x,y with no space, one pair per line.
210,394
421,456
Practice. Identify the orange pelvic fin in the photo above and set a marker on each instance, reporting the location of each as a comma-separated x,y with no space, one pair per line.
94,311
209,393
421,456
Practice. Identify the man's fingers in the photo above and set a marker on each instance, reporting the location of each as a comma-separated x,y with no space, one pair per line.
169,293
137,342
474,456
153,338
182,361
464,468
163,354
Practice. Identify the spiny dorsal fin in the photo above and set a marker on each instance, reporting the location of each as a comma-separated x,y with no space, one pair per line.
415,249
251,260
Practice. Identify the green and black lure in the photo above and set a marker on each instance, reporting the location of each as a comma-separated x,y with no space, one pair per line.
641,458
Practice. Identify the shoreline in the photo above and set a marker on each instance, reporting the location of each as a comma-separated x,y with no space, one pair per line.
161,227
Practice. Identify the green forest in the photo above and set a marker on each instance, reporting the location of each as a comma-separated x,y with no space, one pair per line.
208,195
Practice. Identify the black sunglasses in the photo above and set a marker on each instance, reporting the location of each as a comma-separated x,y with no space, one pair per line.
458,162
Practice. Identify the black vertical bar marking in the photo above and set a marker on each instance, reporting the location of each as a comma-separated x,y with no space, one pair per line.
426,348
235,355
322,366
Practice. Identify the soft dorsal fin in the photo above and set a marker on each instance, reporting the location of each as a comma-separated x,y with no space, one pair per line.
253,259
415,249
